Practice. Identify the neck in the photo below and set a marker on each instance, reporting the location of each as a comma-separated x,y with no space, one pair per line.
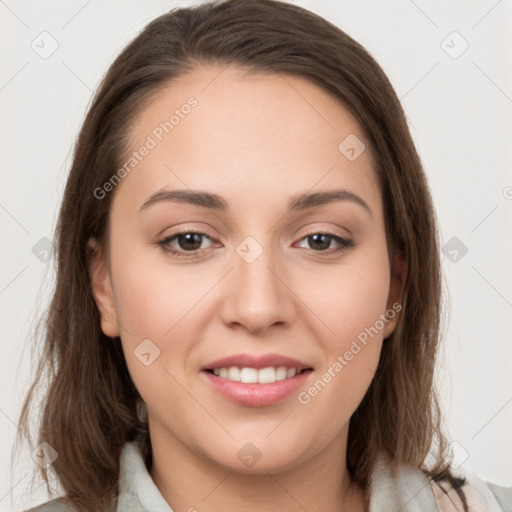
190,481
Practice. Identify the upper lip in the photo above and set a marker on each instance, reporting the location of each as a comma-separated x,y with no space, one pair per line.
258,362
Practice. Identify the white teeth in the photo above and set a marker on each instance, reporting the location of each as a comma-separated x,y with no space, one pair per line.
252,375
281,373
266,375
249,376
290,372
234,373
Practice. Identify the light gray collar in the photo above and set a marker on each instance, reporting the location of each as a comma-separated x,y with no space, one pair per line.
409,490
137,491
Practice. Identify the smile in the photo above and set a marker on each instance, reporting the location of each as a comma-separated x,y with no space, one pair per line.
256,376
256,393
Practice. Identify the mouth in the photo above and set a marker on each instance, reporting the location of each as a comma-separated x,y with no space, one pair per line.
256,381
248,375
263,388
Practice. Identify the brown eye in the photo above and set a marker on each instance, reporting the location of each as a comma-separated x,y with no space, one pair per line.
189,241
321,242
186,243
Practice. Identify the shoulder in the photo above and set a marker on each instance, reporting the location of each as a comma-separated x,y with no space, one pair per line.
55,505
460,490
471,492
503,495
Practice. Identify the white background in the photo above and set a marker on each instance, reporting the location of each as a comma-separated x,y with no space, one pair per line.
459,110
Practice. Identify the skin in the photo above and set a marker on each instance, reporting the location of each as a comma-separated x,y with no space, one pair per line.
254,140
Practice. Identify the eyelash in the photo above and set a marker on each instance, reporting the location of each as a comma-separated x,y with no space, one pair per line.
164,243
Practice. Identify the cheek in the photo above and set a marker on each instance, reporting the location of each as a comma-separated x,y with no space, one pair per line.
154,308
351,309
351,305
332,398
151,298
350,297
155,302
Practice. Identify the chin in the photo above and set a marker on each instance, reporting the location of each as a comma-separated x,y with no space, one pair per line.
258,457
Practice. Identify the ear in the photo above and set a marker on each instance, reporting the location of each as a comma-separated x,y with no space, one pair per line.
102,289
396,288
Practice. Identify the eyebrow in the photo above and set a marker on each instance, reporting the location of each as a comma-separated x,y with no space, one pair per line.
215,202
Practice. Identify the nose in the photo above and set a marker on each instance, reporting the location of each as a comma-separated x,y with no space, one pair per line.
256,294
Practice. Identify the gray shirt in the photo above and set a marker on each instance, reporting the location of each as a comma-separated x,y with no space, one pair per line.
407,491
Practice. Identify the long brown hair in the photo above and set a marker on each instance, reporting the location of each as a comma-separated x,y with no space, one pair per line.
89,409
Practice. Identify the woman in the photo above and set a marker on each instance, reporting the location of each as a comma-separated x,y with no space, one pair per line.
246,313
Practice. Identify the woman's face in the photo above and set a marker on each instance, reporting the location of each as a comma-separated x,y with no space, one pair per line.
269,281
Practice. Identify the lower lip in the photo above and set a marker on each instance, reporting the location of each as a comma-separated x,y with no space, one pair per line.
256,395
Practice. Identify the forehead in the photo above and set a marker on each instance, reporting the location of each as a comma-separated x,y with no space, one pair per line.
221,129
234,102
